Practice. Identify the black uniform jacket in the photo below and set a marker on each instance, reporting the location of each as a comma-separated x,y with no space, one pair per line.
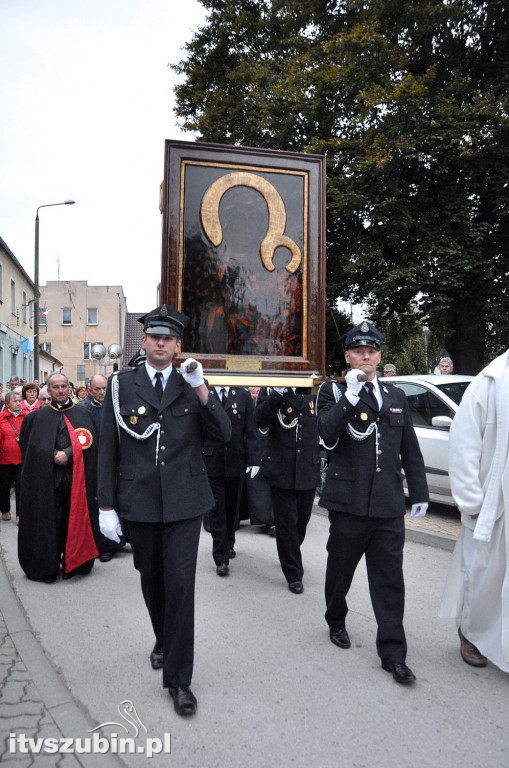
291,454
130,480
38,552
354,483
242,451
94,410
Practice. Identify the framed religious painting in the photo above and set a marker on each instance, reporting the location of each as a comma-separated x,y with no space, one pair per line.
244,257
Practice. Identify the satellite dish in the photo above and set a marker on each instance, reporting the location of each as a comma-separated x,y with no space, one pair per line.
115,351
98,351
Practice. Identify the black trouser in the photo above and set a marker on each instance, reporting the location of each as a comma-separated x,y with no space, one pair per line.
165,555
292,510
8,473
223,517
381,540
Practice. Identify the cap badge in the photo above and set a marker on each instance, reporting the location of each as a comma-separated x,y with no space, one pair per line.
364,327
163,311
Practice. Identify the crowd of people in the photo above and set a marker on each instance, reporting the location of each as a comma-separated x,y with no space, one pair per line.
143,456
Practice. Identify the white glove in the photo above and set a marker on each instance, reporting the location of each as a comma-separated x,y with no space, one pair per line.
281,390
352,382
109,524
192,371
419,510
254,471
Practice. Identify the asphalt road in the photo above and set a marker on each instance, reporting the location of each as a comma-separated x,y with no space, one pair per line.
272,689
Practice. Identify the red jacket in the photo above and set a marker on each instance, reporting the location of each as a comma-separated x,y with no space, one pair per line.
10,452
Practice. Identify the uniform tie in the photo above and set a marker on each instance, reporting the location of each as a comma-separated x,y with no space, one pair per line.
159,385
223,396
371,392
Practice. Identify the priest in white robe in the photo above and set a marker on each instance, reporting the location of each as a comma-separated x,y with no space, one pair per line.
477,589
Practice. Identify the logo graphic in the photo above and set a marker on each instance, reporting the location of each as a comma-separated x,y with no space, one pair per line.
97,744
127,711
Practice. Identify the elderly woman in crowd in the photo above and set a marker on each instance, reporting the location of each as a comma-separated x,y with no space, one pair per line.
11,419
30,396
81,393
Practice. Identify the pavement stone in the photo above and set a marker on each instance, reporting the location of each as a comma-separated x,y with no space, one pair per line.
33,698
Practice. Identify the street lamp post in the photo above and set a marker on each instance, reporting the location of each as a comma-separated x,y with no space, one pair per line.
36,286
425,333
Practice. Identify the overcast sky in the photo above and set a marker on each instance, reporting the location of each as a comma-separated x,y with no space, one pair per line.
86,104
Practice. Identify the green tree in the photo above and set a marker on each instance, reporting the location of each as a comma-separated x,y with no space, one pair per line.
409,102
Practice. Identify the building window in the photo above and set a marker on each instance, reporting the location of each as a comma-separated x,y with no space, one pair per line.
13,296
87,349
45,346
43,316
24,300
91,316
1,283
66,316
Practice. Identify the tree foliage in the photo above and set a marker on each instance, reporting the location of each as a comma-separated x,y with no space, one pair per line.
409,102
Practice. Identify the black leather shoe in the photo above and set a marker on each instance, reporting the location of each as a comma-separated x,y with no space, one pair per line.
105,557
232,553
271,530
400,672
340,638
184,700
296,587
223,569
156,657
51,579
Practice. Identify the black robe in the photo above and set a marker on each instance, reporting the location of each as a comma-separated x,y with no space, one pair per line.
38,548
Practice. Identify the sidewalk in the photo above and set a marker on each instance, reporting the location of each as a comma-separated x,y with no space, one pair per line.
33,698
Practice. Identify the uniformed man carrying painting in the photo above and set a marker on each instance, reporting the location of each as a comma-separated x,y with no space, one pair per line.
152,473
367,427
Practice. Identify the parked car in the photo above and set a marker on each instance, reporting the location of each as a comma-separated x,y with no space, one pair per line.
433,401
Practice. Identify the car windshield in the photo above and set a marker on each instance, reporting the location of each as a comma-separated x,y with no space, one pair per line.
455,390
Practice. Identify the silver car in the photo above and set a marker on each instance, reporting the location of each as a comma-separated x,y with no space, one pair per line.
433,402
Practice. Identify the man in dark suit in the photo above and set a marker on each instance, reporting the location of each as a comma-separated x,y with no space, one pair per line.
368,430
291,465
226,467
96,392
151,470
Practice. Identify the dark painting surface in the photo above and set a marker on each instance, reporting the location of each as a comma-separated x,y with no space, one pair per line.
240,303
